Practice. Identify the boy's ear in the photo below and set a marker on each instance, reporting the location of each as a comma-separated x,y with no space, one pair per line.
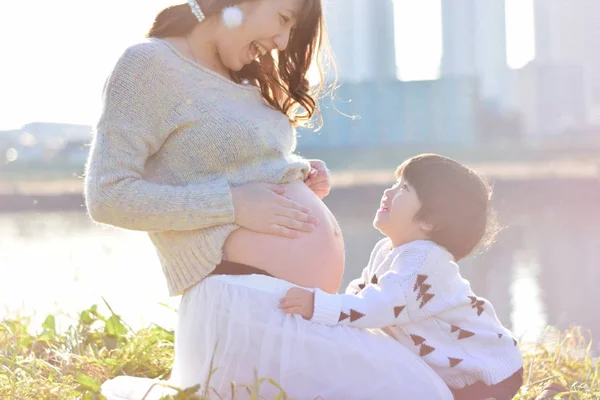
426,227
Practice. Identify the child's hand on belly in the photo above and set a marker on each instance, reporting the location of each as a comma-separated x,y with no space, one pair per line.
319,179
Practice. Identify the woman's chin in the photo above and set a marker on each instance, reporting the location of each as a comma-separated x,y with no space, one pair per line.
234,64
237,67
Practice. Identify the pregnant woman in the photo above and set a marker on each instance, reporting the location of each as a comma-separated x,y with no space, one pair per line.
195,146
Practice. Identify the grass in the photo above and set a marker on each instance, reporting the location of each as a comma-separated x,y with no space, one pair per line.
48,365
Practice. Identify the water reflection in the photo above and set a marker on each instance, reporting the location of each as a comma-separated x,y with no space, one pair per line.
544,268
63,263
568,247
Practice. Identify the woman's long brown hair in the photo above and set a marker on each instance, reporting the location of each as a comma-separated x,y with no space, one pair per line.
283,81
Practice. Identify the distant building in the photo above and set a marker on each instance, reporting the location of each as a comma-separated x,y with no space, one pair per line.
394,113
53,131
567,37
74,152
553,100
474,45
567,32
43,142
361,33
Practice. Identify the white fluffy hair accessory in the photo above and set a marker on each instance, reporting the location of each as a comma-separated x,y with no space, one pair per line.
232,17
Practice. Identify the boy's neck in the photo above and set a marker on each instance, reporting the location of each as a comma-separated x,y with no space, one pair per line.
397,242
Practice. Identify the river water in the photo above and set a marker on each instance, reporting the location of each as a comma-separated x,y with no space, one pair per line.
544,268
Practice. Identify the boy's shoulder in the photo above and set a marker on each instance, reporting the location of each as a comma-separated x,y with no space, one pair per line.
380,250
384,244
421,249
421,255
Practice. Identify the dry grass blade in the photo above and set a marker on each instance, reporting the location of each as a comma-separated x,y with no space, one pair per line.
71,365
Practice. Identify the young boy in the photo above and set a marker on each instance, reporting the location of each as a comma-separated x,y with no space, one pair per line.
436,214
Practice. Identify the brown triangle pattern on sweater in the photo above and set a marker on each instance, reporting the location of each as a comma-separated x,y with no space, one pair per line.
422,290
479,310
398,310
454,361
426,298
420,341
500,335
462,333
477,304
417,340
361,286
343,316
374,280
354,315
420,280
465,334
425,349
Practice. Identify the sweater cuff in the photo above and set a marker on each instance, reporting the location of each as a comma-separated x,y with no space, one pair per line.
327,308
213,202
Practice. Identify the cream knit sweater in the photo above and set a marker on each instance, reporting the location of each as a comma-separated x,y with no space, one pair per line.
172,140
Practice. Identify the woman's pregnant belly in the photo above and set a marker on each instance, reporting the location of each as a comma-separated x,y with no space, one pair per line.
314,260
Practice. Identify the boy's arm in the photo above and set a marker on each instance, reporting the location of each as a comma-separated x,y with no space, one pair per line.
328,308
376,306
302,301
358,284
402,295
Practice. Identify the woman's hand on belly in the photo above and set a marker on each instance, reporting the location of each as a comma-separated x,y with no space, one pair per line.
263,208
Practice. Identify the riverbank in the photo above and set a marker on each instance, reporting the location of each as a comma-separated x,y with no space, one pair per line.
37,184
533,183
51,365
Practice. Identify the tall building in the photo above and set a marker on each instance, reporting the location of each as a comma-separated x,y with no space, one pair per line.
361,33
474,44
552,100
567,32
567,35
560,89
431,112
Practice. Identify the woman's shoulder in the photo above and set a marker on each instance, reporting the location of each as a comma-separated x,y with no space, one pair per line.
149,51
146,65
142,71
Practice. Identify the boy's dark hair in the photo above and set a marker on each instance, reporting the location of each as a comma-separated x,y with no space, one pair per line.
455,200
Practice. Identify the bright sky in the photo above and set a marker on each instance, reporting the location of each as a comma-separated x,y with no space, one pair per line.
56,54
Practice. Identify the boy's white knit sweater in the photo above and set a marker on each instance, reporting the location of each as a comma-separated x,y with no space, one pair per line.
416,293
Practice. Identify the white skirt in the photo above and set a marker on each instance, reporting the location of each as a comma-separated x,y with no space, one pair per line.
235,322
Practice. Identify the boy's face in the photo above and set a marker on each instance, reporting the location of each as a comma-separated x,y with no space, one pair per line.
395,217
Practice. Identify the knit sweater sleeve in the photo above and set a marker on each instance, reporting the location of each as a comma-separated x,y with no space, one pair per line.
136,120
400,296
356,285
327,307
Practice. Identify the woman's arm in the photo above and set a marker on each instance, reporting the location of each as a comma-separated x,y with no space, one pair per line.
136,120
